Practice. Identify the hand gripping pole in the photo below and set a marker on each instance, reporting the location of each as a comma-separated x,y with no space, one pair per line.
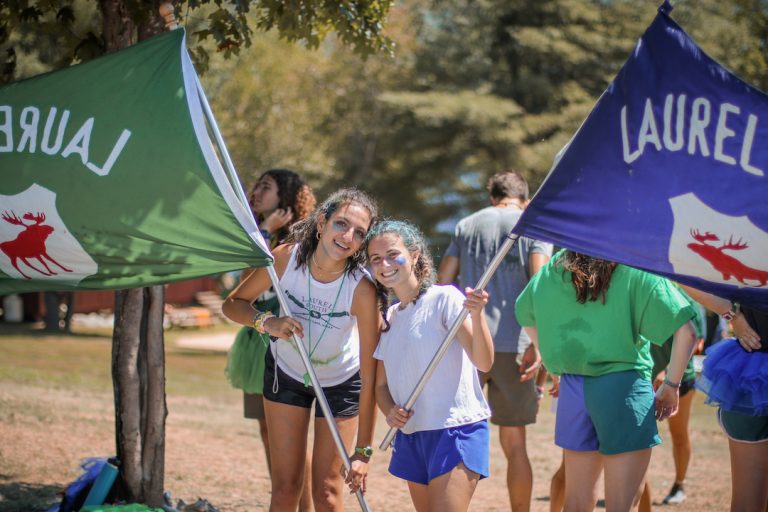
321,400
482,283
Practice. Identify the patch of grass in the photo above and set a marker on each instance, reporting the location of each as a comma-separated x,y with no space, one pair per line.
84,361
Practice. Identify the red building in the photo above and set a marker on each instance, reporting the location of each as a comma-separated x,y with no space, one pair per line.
181,293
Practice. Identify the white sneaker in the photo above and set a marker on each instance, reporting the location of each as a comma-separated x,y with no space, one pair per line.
676,495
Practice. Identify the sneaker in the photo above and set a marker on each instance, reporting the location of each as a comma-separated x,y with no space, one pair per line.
676,495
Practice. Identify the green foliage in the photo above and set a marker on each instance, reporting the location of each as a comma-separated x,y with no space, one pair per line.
475,86
54,34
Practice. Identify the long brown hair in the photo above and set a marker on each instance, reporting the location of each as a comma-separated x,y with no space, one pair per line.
304,233
590,276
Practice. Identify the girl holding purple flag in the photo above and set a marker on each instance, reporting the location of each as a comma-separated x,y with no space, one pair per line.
592,320
442,447
333,304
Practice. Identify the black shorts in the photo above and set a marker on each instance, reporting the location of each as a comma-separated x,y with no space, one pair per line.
686,386
343,399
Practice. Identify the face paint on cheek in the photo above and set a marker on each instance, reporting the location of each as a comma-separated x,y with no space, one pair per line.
400,260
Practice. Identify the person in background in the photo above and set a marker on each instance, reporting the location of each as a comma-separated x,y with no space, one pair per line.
593,320
678,424
512,391
735,378
278,199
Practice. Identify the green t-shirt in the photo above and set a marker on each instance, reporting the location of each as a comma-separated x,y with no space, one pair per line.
594,338
661,354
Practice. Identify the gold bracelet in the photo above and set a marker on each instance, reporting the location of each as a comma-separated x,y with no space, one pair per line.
259,319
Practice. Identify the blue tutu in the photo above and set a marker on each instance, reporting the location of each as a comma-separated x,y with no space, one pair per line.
734,379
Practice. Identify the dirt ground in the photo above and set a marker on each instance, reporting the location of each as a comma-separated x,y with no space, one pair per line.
56,408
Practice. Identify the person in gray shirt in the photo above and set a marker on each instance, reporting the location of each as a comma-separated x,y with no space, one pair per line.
511,387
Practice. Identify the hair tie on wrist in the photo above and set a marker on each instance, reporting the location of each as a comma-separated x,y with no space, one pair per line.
259,319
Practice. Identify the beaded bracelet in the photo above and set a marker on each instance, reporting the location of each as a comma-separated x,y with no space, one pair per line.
671,384
259,319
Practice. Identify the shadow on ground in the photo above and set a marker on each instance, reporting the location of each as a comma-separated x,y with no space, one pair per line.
25,497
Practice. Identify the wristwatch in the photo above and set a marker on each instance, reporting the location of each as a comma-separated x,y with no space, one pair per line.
365,451
731,313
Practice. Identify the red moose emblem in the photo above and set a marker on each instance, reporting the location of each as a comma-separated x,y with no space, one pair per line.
723,263
30,243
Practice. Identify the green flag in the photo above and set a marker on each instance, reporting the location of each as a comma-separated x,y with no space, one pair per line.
109,178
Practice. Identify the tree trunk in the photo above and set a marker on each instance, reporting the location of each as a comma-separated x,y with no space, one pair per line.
138,376
51,317
138,354
155,409
126,341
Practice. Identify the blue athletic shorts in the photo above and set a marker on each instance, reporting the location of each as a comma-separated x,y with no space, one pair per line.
422,456
613,413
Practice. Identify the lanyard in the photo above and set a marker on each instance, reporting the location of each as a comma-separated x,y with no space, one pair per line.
309,320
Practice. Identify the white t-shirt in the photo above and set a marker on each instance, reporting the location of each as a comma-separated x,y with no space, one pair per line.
334,336
453,395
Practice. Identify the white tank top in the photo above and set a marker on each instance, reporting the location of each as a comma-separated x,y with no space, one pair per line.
334,345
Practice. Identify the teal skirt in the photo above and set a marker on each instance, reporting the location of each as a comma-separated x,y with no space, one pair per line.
245,361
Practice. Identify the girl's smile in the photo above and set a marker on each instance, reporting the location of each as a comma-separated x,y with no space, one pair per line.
391,262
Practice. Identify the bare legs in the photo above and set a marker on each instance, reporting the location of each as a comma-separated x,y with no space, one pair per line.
288,456
519,472
681,447
327,483
582,469
450,492
305,502
749,476
624,474
681,441
557,489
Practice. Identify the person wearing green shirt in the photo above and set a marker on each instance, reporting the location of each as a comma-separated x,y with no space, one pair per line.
678,424
593,321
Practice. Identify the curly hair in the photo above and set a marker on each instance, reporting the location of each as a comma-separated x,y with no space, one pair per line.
590,276
305,234
414,241
293,194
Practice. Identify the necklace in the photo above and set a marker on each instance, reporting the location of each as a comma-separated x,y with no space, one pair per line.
313,314
335,272
404,303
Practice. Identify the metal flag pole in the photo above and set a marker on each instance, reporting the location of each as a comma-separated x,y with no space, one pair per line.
234,179
481,284
321,400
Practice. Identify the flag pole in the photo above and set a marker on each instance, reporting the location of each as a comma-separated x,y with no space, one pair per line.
234,179
322,402
443,348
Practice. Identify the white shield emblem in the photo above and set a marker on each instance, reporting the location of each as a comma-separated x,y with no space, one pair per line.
35,243
716,247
